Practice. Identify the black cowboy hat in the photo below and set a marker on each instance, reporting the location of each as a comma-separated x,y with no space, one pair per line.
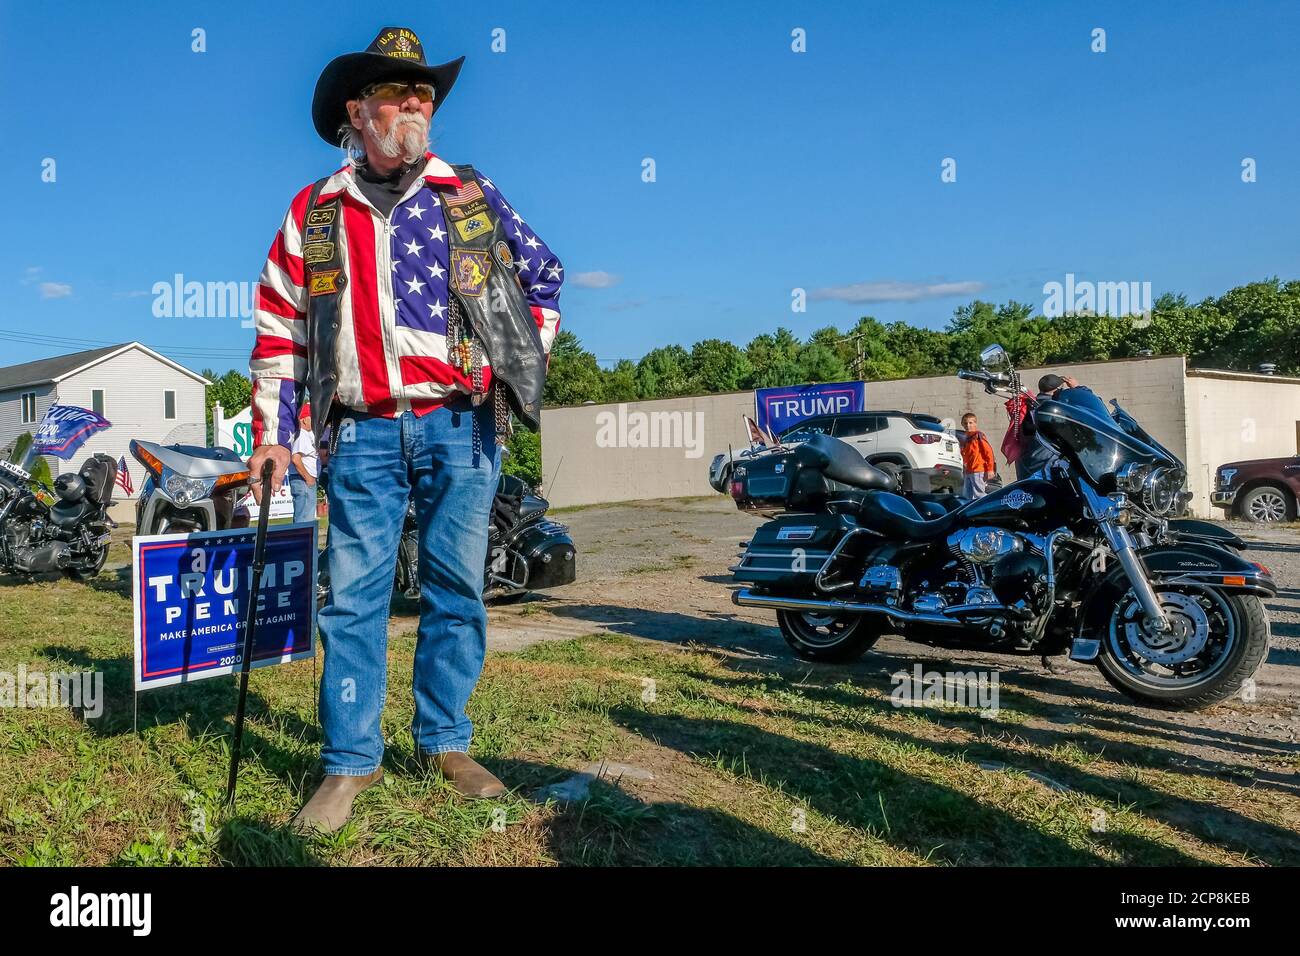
395,54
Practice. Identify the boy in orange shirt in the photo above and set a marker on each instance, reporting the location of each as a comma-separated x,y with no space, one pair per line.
977,458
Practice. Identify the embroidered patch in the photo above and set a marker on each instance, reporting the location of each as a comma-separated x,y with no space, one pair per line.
466,194
469,270
464,212
503,254
318,252
324,283
473,226
322,217
317,233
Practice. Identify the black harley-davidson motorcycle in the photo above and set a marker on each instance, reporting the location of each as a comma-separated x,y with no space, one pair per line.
526,550
66,528
1077,559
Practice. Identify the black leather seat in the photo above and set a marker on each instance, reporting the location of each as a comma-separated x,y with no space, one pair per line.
66,514
840,461
896,517
531,505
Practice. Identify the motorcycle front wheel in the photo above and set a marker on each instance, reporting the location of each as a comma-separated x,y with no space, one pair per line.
829,638
1216,642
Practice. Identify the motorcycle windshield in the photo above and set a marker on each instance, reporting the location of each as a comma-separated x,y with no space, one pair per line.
1134,428
1077,424
19,459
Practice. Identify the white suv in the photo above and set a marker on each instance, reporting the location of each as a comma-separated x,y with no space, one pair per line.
904,439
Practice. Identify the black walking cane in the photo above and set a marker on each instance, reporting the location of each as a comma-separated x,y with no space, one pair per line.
250,624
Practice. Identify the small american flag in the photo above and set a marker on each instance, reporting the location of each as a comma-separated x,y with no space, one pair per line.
465,194
124,477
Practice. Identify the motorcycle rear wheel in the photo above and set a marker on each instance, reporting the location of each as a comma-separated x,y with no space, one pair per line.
829,638
1233,629
87,571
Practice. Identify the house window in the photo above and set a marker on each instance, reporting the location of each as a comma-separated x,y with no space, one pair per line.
29,407
97,401
169,404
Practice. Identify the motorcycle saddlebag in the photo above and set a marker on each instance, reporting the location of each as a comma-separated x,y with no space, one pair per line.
99,473
790,550
548,550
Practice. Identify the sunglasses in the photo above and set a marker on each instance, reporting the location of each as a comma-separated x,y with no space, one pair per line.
396,90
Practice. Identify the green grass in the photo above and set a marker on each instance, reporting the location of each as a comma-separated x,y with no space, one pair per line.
753,763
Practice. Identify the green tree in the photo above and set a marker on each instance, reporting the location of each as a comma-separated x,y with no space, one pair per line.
717,366
233,391
525,458
620,383
664,372
775,359
574,375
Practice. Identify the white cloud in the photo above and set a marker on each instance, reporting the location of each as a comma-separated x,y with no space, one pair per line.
892,291
55,290
30,274
596,280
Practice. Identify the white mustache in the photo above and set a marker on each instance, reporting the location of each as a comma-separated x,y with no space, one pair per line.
407,137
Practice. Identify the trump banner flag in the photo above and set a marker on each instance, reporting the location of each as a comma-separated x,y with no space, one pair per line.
780,409
64,429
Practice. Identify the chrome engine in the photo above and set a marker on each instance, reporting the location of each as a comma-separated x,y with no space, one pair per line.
994,575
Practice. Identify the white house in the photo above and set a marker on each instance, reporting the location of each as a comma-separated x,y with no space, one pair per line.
144,394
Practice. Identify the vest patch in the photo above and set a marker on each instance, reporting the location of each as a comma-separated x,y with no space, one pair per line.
318,252
503,255
473,226
467,193
324,283
322,217
469,271
317,234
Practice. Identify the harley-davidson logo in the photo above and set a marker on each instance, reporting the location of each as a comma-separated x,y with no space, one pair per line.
1017,499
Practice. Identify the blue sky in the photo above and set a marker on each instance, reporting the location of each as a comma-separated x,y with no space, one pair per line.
775,170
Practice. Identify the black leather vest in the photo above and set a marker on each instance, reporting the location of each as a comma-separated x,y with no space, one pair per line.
481,275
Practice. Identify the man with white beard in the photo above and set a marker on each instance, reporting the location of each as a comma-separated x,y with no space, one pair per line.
416,309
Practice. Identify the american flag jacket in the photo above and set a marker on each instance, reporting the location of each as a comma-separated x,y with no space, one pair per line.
391,350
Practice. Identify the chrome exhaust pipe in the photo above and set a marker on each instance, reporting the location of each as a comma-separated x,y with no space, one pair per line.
747,598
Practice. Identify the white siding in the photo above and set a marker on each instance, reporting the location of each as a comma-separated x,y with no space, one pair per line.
11,410
133,384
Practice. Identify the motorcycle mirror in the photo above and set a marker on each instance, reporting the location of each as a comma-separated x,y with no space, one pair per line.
994,356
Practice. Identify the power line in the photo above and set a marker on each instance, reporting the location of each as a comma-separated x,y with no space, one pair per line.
189,352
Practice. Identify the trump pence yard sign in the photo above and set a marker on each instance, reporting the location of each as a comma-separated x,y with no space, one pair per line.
191,594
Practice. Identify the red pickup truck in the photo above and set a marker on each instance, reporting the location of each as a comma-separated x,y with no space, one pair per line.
1266,489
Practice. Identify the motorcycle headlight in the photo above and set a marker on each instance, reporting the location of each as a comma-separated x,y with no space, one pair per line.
184,490
1160,490
1131,478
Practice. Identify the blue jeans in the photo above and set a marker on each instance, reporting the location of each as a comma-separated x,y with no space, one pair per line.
304,498
379,464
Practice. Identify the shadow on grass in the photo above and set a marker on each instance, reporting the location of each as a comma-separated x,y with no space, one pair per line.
1209,821
246,841
921,816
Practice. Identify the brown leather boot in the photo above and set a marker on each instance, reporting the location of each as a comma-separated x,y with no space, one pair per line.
331,805
467,777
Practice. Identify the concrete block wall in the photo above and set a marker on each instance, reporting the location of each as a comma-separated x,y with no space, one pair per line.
591,453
